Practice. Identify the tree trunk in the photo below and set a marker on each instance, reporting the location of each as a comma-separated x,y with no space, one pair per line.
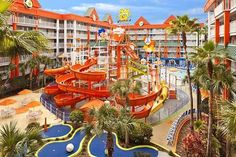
228,147
189,78
31,78
126,138
198,102
44,77
109,145
210,119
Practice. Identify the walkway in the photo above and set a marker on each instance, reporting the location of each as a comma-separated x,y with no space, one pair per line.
160,130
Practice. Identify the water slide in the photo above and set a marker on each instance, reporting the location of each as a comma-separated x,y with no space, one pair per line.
143,104
131,53
57,71
74,93
52,90
162,98
137,67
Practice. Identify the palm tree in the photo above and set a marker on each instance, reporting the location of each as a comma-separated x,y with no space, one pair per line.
182,25
9,137
46,61
16,43
228,123
125,123
106,118
213,79
122,88
32,64
4,5
15,143
30,143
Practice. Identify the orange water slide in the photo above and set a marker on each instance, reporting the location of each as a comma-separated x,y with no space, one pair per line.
131,53
52,90
147,101
68,99
65,84
88,76
57,71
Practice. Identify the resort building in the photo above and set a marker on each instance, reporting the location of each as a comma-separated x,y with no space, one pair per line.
222,28
70,32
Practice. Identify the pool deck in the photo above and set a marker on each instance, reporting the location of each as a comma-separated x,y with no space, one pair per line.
21,119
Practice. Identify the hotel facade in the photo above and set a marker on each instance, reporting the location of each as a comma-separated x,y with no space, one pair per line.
64,30
222,29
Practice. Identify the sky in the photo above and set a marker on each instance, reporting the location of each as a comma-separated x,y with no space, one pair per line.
155,11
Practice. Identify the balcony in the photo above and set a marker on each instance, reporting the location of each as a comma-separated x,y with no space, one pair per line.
233,4
70,26
233,27
212,19
26,21
212,32
219,9
222,30
61,45
47,25
50,35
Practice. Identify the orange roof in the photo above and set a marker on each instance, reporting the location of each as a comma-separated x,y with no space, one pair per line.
145,22
170,18
36,3
92,104
208,4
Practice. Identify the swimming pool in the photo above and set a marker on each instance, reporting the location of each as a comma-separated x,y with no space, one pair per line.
97,144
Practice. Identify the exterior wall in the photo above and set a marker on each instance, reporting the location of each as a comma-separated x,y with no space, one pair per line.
66,32
222,27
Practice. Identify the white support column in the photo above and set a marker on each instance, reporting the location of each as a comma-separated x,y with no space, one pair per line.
65,36
209,24
57,36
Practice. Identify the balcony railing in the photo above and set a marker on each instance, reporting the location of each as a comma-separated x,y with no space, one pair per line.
26,21
233,4
233,27
48,24
222,30
212,32
219,9
212,18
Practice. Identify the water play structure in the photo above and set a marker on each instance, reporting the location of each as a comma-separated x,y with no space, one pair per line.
93,71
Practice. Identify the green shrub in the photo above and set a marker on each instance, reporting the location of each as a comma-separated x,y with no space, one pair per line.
77,117
32,125
139,135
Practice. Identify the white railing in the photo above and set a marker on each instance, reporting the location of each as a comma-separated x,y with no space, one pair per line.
61,45
47,24
61,35
222,30
233,27
212,32
27,21
70,26
233,4
53,109
219,9
82,36
157,31
212,18
80,27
